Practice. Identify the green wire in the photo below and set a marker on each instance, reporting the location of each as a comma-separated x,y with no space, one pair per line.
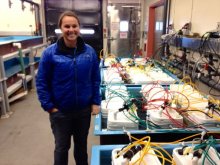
127,101
208,143
141,122
210,160
128,52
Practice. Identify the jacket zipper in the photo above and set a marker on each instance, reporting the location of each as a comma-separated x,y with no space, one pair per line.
75,67
74,59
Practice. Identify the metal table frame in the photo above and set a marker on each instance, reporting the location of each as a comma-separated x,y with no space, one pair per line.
6,92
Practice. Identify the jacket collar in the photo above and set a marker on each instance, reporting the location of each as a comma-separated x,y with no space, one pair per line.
61,47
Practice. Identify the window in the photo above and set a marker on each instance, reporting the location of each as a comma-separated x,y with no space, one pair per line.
124,26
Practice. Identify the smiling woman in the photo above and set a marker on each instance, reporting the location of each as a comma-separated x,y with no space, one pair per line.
68,88
69,25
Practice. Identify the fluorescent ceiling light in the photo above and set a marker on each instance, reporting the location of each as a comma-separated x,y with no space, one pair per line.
130,6
58,31
87,31
82,31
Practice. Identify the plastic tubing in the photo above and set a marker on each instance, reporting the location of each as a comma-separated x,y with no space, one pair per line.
100,54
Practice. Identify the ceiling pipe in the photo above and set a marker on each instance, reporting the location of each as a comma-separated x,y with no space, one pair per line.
37,17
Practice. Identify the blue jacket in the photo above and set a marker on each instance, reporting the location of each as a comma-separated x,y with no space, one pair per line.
68,82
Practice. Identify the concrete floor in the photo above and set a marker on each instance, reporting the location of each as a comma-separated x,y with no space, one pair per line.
26,137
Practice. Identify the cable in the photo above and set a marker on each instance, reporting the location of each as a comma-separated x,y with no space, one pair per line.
171,56
197,111
213,87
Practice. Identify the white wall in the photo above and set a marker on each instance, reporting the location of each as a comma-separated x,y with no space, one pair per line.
14,21
203,14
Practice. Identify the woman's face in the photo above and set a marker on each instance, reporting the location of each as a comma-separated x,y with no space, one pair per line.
70,29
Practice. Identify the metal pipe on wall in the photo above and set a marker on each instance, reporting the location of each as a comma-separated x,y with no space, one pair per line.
205,80
164,23
210,82
168,20
165,16
37,16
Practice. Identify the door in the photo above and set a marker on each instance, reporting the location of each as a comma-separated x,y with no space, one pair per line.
124,29
158,31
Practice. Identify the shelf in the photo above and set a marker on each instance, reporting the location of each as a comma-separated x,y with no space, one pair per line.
13,66
191,43
17,85
6,43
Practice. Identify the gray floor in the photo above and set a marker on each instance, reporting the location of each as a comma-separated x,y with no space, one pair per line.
26,137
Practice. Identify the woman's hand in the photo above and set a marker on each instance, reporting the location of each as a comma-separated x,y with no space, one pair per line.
95,109
52,110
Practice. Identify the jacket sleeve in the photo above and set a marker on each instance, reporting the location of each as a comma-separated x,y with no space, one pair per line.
96,80
43,81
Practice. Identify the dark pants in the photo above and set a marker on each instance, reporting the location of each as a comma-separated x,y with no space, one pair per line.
66,125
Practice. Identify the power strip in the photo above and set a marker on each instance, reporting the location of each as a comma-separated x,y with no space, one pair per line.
188,159
148,159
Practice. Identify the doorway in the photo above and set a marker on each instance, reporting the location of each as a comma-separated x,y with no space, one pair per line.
124,29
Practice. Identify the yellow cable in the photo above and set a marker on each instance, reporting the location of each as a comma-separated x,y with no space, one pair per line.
140,140
100,54
148,144
162,157
185,138
146,149
194,87
153,144
111,55
204,111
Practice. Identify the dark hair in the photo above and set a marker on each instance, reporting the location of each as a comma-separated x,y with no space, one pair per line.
67,13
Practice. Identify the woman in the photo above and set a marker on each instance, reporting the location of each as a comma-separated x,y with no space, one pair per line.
68,82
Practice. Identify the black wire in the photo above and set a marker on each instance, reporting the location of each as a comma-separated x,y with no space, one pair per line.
213,87
202,43
216,111
197,111
193,54
154,55
153,123
210,43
